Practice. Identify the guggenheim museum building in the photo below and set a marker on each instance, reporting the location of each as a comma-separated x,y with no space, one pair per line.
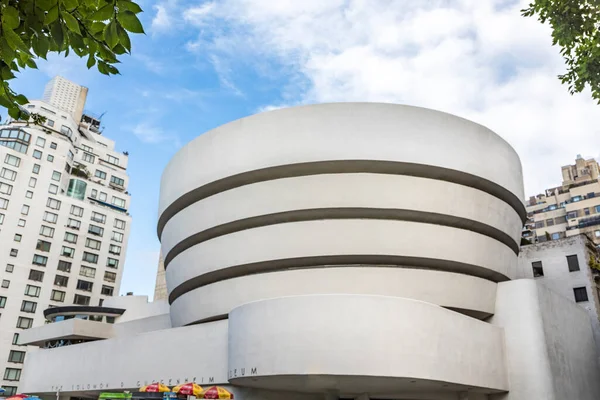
333,251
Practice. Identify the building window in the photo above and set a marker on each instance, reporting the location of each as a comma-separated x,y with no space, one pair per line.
118,202
114,249
1,219
64,266
90,257
74,224
572,214
56,176
88,158
112,262
18,237
8,174
25,209
597,209
65,130
36,275
117,181
5,188
573,263
12,160
50,158
14,252
70,237
40,141
12,374
57,295
597,233
102,196
76,211
555,236
42,245
77,189
53,203
15,340
29,194
119,224
67,252
53,146
39,260
97,217
95,230
28,306
36,168
24,322
10,390
92,244
3,204
81,300
50,123
110,276
88,272
10,267
21,222
117,237
33,291
107,290
5,283
113,160
2,301
60,280
586,211
94,193
37,154
50,217
539,224
16,356
580,294
46,231
71,155
100,174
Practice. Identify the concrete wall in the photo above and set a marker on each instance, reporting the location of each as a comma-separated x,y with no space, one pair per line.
549,344
558,278
362,344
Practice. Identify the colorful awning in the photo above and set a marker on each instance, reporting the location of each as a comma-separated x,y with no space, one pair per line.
155,388
217,392
189,389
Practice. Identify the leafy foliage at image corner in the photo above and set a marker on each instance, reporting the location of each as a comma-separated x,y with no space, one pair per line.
96,29
576,30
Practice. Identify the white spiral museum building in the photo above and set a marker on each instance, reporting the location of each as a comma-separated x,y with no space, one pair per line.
349,250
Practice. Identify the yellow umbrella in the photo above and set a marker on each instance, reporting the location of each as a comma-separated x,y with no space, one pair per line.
155,388
217,392
189,389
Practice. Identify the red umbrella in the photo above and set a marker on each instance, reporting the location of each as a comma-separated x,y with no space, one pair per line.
20,396
217,392
155,388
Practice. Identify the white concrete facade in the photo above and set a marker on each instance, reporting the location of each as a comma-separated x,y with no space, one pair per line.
66,95
59,243
341,251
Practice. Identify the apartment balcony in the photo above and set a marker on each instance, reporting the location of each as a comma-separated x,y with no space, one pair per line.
585,223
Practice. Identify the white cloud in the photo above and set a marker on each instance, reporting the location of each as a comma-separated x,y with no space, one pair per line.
477,59
164,20
148,133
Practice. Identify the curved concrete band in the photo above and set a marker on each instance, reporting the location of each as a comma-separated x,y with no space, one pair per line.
252,206
334,186
353,337
467,294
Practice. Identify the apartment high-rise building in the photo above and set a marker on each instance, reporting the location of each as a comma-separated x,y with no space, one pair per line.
64,223
66,95
567,210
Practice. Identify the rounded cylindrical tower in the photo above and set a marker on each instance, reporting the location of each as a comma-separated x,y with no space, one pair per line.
345,198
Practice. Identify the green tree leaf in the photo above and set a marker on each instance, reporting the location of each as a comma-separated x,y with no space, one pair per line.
91,61
10,17
57,34
45,5
103,13
110,34
123,38
51,16
21,99
14,41
128,5
71,22
129,21
70,4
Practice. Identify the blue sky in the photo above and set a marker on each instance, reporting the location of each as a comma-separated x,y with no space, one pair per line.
205,63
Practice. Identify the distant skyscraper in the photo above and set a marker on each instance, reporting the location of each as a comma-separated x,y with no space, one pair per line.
64,220
160,290
66,95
